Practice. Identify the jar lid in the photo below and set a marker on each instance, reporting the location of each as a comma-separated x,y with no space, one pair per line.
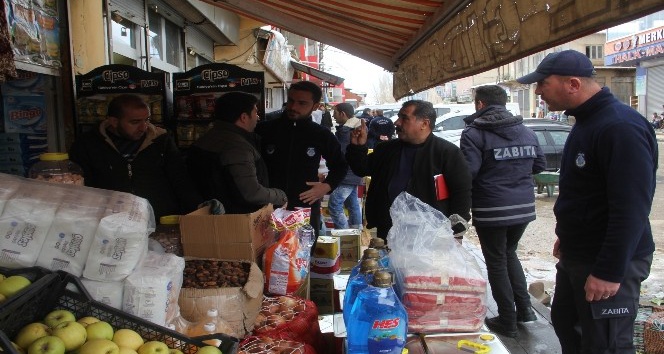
54,156
169,220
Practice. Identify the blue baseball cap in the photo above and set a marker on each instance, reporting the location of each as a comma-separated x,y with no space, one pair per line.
565,63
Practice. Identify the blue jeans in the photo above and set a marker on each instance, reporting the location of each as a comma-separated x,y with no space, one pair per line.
345,195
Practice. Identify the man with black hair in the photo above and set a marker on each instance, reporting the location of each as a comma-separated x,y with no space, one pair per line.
380,129
502,156
292,147
226,163
127,153
413,163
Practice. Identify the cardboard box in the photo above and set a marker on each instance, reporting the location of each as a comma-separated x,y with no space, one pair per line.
349,247
229,236
321,292
237,306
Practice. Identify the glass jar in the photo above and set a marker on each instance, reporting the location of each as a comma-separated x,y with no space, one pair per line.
167,233
56,167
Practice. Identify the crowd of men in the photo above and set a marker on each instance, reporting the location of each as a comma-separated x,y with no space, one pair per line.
607,183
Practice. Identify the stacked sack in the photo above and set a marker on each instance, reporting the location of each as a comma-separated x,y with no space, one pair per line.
440,284
99,235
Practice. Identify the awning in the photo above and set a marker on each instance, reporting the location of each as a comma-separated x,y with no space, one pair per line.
329,78
430,42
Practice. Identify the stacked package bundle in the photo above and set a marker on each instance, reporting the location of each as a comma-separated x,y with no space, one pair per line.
439,282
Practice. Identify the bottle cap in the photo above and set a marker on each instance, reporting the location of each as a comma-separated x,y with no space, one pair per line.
209,327
54,156
376,242
171,327
169,220
369,265
212,313
371,253
382,279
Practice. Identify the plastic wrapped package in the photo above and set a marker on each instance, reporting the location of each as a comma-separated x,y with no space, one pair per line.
432,268
108,293
121,239
151,291
286,262
70,236
25,221
8,186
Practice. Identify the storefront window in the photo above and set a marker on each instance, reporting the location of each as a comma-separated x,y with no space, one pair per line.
173,52
156,36
124,32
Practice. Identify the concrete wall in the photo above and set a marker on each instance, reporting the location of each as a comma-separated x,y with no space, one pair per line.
87,35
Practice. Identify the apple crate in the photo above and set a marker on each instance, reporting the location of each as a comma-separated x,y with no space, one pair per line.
38,277
66,292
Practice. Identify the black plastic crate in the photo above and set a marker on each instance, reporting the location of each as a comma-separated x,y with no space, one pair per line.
38,277
66,292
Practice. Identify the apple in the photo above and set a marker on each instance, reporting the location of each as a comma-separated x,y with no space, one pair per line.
85,321
56,317
99,346
31,333
99,330
72,333
11,285
125,350
2,298
208,349
47,345
175,351
2,277
153,347
127,338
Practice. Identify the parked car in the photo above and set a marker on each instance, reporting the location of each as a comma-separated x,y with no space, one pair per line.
551,136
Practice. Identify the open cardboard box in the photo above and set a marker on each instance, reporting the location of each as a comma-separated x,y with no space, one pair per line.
229,236
237,306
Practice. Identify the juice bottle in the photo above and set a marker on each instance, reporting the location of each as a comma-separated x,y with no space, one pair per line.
357,283
378,321
368,253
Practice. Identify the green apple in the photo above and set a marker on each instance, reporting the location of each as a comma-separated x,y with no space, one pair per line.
208,349
99,346
12,285
153,347
31,333
56,317
127,338
47,345
99,330
174,351
2,298
2,277
72,333
85,321
125,350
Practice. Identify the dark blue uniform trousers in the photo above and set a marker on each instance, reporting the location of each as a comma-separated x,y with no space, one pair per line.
605,326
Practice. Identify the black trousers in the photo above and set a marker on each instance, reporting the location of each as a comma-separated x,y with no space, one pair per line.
605,326
506,277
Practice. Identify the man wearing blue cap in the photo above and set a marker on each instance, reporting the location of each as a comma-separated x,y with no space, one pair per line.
607,184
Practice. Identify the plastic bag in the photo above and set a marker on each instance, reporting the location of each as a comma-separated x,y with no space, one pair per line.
286,262
431,267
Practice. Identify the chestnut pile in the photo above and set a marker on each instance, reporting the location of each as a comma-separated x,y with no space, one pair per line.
265,345
210,274
275,311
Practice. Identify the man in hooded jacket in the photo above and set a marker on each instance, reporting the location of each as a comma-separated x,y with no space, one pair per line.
502,156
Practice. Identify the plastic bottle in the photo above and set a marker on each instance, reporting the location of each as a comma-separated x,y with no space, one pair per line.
56,167
379,244
199,328
358,283
368,253
378,321
203,330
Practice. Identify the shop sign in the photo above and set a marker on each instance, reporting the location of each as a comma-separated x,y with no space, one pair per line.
629,50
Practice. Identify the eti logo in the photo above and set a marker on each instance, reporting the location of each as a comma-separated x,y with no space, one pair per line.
386,324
